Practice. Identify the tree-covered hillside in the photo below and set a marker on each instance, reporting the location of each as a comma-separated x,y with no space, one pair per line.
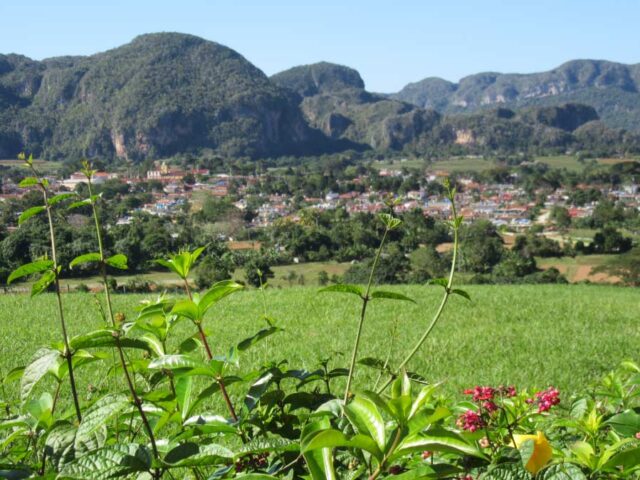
158,95
169,94
613,89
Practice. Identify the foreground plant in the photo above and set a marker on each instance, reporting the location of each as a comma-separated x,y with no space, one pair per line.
49,271
285,421
117,261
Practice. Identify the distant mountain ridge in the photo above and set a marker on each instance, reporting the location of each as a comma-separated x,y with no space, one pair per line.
158,95
169,94
613,89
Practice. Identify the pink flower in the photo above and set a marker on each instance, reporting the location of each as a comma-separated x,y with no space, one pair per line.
638,435
490,406
470,421
426,454
481,394
546,399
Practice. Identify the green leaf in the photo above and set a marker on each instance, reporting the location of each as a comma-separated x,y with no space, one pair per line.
437,440
343,288
216,293
28,182
100,413
184,388
626,423
376,363
391,296
389,221
261,335
506,471
29,269
562,471
187,309
60,198
118,261
367,420
332,438
626,459
105,338
193,455
443,282
425,417
257,389
43,282
45,360
526,450
59,445
109,462
270,444
28,213
319,461
84,202
430,472
86,258
462,293
181,263
182,364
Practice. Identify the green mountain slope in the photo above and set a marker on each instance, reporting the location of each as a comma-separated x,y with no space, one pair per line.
158,95
613,89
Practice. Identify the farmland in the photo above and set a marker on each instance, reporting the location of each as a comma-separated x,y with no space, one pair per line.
564,335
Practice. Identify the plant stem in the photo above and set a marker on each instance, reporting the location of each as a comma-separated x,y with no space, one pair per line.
363,311
383,463
53,409
443,303
63,326
123,361
203,337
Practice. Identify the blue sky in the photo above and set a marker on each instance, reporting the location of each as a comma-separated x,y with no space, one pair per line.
390,43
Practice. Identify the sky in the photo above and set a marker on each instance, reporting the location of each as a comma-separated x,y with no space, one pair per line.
391,43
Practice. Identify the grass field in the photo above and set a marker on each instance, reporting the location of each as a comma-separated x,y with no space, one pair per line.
565,336
579,268
309,271
42,165
570,162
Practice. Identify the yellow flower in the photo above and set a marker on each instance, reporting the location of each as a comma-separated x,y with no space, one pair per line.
541,451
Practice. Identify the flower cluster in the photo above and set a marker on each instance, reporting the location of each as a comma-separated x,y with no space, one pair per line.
481,394
485,396
546,399
471,421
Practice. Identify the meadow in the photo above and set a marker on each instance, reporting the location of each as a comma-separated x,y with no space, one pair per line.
527,335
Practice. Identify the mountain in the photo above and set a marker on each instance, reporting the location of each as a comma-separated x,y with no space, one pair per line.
170,94
333,99
322,77
158,95
613,89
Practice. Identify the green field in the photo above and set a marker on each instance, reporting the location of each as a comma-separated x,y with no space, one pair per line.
570,162
309,271
579,268
565,336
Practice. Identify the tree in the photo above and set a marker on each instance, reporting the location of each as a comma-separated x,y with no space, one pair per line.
214,268
257,270
610,240
560,216
482,247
